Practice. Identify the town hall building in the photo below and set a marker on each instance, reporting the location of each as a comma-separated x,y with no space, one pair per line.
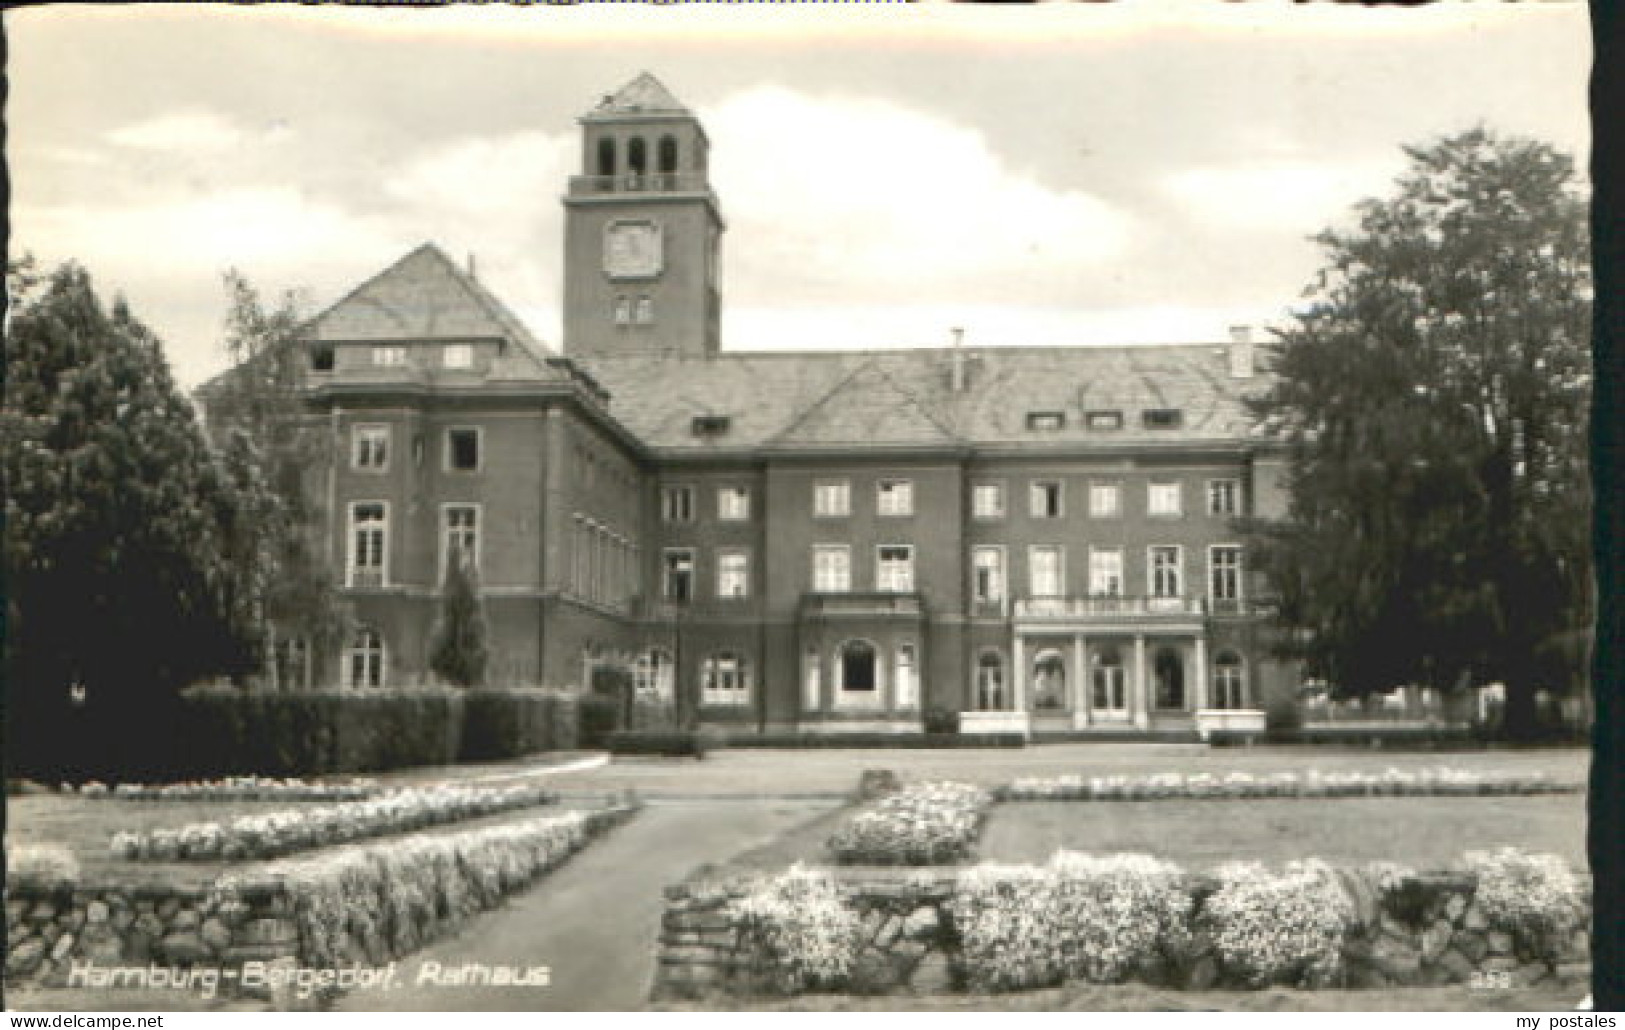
1041,539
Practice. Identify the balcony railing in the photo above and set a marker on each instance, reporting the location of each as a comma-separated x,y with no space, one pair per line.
635,182
1106,607
867,603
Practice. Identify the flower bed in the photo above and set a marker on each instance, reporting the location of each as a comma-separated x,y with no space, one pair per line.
284,832
235,788
1285,927
925,824
1442,781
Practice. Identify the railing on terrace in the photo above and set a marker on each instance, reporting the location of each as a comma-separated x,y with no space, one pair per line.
632,182
1105,607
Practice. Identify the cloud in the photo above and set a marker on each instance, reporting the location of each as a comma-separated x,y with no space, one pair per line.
1278,195
180,130
488,176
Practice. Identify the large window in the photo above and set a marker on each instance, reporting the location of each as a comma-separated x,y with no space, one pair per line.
894,497
857,665
733,503
1168,675
987,564
677,503
1107,694
1228,678
677,582
369,544
1106,572
463,450
832,568
832,498
1165,572
1224,573
987,501
1164,499
388,357
364,659
725,680
990,693
733,573
1046,499
1223,497
460,537
894,568
1105,500
1044,571
369,449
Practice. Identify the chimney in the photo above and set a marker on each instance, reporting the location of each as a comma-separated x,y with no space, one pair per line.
1241,352
957,359
472,273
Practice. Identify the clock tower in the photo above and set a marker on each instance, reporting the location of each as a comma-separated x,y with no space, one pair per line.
642,232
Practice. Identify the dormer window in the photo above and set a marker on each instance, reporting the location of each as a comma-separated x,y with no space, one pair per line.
1104,420
1162,418
710,425
388,357
1046,420
458,355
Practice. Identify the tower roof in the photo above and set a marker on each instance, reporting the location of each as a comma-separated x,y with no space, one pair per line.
643,95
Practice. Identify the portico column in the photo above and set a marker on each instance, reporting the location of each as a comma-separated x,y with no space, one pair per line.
1080,685
1018,676
1199,680
1142,697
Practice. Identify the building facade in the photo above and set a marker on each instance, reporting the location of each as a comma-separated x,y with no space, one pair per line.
1040,539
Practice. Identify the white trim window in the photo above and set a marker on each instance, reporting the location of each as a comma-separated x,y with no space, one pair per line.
733,573
677,574
832,498
1224,573
677,504
1223,498
987,501
368,564
459,537
390,356
905,677
733,503
1046,570
652,673
457,355
1105,500
1105,572
832,568
1163,499
1047,499
1229,681
1163,570
369,448
987,574
894,568
894,497
725,679
464,447
364,659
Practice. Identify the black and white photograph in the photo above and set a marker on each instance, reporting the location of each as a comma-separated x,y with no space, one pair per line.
889,508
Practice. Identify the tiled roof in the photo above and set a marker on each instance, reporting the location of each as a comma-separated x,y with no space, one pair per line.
906,397
643,95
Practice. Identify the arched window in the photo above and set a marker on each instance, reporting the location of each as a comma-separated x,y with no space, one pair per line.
668,154
637,156
652,674
990,696
364,661
905,680
857,672
1049,681
606,156
1228,680
1168,671
1107,695
725,679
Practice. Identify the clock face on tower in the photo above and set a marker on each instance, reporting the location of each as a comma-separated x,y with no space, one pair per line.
632,249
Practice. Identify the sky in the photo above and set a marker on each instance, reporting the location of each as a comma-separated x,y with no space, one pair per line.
1139,172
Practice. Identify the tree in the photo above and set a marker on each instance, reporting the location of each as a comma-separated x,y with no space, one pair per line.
270,443
120,524
1433,394
459,656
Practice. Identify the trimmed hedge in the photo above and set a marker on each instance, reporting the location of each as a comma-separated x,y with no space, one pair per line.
1400,735
867,739
507,722
670,743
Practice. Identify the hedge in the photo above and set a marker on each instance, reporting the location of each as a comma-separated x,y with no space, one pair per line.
670,743
873,739
600,716
509,722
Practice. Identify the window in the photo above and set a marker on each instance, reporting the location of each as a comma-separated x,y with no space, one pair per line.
1168,676
733,574
388,357
812,680
677,583
369,450
644,313
710,425
677,504
606,156
832,498
1165,572
1161,418
369,551
1105,500
905,684
1227,681
463,450
1104,420
637,156
987,501
1049,681
623,311
894,569
990,682
1107,693
290,663
733,503
668,153
1223,497
987,572
364,660
1224,573
894,497
1045,499
725,680
321,357
460,536
858,667
1044,572
1163,499
458,355
1105,572
1046,421
832,569
652,673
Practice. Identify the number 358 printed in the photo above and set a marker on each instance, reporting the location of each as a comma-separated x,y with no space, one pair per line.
1494,979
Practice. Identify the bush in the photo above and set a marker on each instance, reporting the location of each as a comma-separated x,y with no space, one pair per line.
1533,897
926,824
799,921
40,868
1081,917
509,722
600,716
671,743
1283,927
320,731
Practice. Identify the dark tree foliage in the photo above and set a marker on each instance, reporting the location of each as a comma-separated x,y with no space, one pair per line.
121,527
459,656
1434,396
